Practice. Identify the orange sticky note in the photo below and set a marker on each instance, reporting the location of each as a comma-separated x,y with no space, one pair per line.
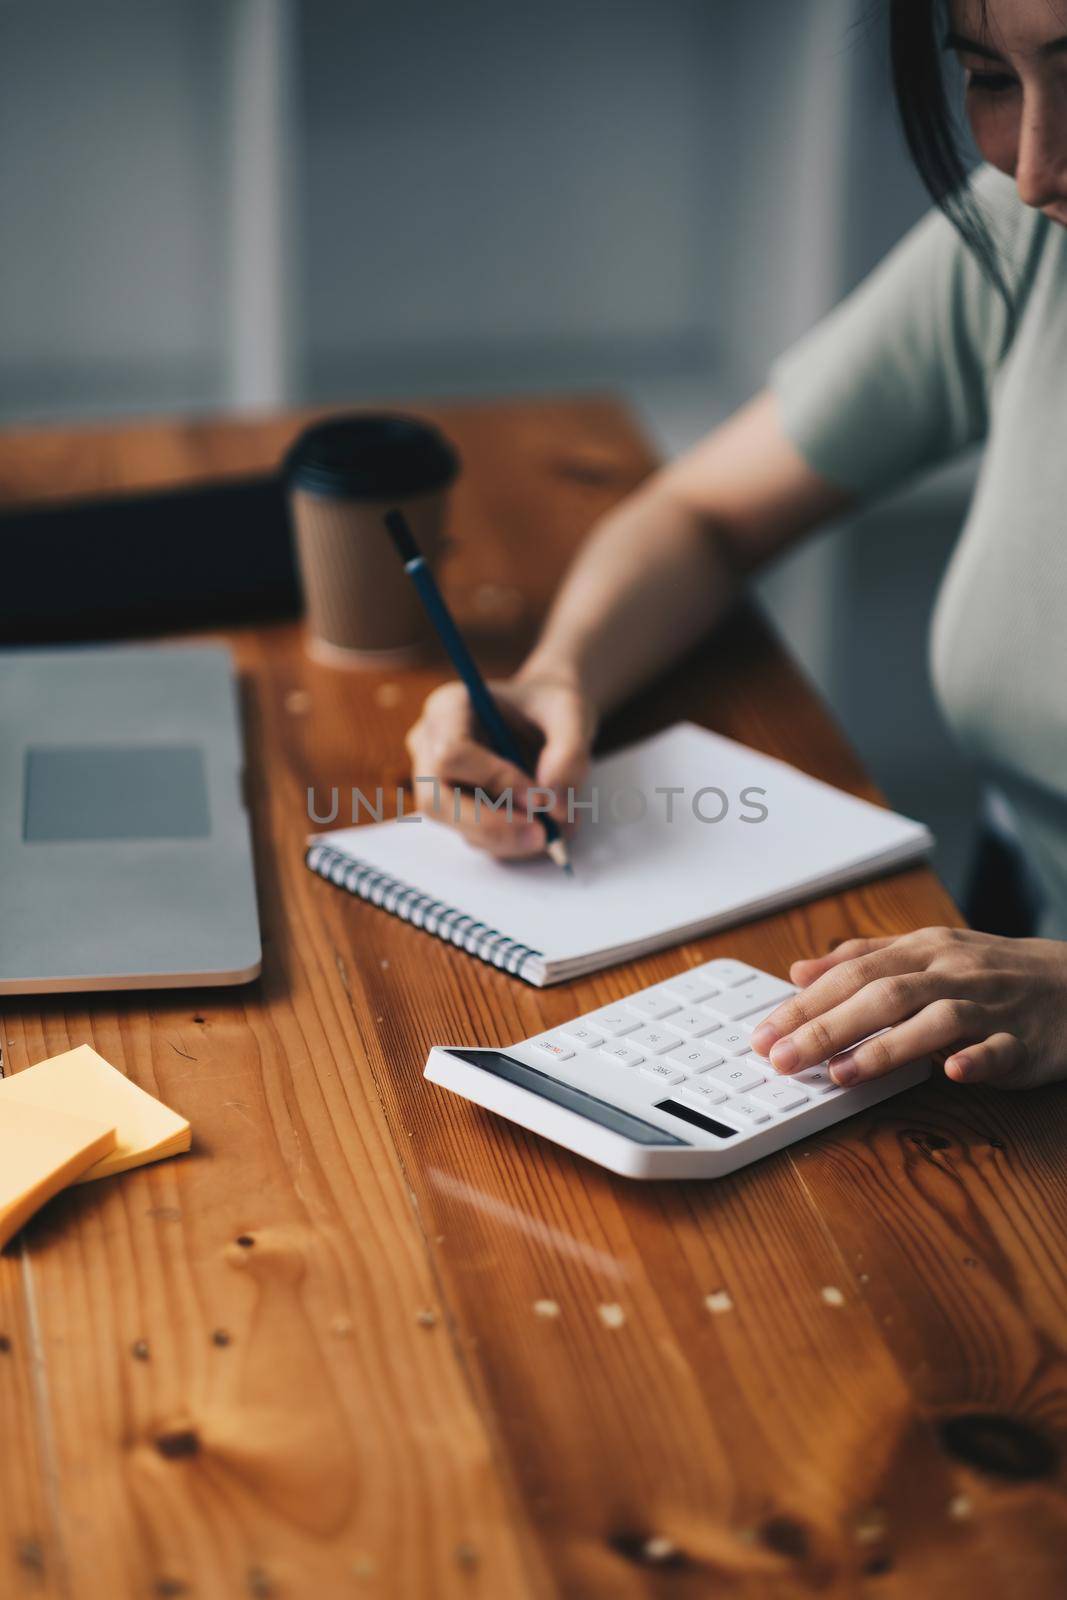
41,1151
84,1084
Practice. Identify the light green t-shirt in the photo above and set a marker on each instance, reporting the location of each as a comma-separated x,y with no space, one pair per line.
920,362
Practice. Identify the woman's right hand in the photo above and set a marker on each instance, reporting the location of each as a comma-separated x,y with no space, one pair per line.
545,707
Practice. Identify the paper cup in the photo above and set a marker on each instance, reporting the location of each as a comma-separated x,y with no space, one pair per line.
342,476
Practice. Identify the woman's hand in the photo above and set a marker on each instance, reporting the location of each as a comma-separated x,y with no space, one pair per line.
547,708
995,1008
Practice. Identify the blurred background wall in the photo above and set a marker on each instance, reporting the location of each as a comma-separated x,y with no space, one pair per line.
216,203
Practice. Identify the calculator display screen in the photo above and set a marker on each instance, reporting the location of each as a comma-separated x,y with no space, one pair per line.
565,1095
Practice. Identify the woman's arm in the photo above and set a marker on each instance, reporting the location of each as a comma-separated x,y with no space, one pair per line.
655,574
661,568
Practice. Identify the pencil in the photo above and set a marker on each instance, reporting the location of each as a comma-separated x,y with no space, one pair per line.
499,735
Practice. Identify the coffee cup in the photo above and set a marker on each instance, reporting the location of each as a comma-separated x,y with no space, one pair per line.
342,475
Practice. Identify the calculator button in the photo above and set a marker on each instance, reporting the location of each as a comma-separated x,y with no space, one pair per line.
654,1004
696,1057
695,1024
749,1110
782,1096
653,1041
623,1055
581,1035
816,1079
742,1000
739,1076
691,989
703,1092
728,973
553,1047
755,1018
662,1072
614,1021
732,1042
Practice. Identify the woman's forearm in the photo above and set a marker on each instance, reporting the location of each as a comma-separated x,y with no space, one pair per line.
661,568
653,576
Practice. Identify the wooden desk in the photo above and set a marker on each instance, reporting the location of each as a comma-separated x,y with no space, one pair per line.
356,1342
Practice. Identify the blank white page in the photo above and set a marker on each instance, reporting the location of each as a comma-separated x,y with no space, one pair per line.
636,881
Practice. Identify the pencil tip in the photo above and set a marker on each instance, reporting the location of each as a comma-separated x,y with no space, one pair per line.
557,849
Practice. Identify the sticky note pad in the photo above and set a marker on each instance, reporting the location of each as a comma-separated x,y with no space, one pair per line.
41,1151
83,1084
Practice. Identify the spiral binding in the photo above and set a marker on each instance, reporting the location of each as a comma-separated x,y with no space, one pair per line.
422,911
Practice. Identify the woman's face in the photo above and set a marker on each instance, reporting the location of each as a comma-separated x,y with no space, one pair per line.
1014,55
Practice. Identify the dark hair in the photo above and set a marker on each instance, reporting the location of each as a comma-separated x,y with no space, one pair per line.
931,128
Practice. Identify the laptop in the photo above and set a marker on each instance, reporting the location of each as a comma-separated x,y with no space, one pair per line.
125,848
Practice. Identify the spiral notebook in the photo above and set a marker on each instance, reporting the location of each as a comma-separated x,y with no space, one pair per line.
692,833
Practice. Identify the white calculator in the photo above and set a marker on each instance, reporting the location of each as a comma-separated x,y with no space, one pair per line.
663,1084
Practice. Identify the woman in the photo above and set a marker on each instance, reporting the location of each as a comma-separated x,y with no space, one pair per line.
960,335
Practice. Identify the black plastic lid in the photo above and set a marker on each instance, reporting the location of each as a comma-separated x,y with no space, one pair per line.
368,455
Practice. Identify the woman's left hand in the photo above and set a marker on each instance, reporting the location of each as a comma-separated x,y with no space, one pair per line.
995,1008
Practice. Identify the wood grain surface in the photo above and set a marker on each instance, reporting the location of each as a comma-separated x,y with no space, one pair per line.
367,1339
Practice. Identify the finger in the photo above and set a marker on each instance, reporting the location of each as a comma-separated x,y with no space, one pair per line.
515,844
492,830
447,718
471,766
938,1026
877,1005
809,968
835,987
477,767
1001,1059
447,742
495,831
564,758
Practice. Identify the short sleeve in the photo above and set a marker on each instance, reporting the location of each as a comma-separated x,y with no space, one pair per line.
897,378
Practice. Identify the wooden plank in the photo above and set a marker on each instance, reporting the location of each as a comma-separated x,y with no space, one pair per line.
777,1439
279,1411
30,1552
243,1389
965,1276
637,1449
847,1479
